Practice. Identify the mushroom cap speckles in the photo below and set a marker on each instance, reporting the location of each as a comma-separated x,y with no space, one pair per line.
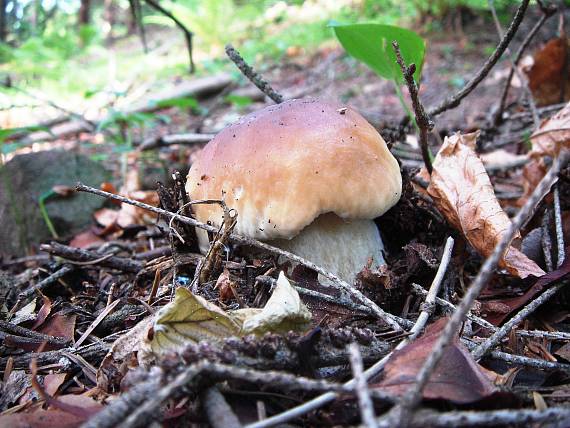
283,166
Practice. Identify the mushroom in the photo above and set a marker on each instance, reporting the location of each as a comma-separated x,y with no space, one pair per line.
306,176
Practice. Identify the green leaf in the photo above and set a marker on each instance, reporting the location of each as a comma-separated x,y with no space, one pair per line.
239,100
372,44
7,133
181,102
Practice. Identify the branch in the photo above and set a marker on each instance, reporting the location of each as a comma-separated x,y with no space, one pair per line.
547,12
187,33
455,100
252,75
500,334
422,119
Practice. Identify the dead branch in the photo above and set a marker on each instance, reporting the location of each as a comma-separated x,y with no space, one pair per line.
82,257
170,140
187,33
423,121
552,416
501,333
365,405
392,320
219,412
547,12
455,100
252,75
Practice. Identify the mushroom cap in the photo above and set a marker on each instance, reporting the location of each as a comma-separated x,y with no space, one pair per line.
283,166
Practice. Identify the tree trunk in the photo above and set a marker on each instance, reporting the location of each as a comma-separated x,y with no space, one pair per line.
2,21
85,12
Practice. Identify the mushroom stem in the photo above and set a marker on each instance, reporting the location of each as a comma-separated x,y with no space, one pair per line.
338,246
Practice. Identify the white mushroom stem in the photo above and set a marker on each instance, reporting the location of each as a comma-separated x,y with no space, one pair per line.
338,246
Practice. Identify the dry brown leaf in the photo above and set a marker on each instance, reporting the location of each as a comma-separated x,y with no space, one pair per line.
457,378
463,193
552,135
546,75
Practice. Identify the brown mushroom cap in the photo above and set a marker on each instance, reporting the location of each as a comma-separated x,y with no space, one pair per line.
283,166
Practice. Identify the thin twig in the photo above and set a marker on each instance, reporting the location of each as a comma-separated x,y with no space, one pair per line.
219,412
338,283
187,33
547,12
546,242
412,398
559,228
455,100
514,68
509,417
425,124
324,399
252,75
365,404
108,309
501,333
16,330
537,334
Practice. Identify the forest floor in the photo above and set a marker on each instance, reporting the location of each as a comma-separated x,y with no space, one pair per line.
96,332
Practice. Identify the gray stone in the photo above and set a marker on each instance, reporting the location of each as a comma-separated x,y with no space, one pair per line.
25,178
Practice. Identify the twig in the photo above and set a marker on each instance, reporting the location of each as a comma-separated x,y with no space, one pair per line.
187,33
412,398
220,413
390,319
509,417
559,228
108,309
84,256
365,404
514,68
64,270
114,413
537,334
322,400
501,333
545,241
423,121
529,362
25,332
455,100
168,140
547,12
252,75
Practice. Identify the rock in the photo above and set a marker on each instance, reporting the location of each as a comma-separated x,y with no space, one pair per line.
25,178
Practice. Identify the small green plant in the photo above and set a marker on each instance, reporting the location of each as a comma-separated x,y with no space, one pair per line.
372,45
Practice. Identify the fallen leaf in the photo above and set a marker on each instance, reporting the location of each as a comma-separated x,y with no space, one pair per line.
85,239
27,313
225,286
191,319
43,313
60,325
283,311
463,193
510,305
552,135
546,75
457,378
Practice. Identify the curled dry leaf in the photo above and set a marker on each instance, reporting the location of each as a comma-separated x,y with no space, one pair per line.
463,193
190,319
457,378
552,135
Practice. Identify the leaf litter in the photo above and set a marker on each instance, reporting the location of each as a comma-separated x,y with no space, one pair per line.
235,318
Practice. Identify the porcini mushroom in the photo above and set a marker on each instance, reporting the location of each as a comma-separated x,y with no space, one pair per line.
306,175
